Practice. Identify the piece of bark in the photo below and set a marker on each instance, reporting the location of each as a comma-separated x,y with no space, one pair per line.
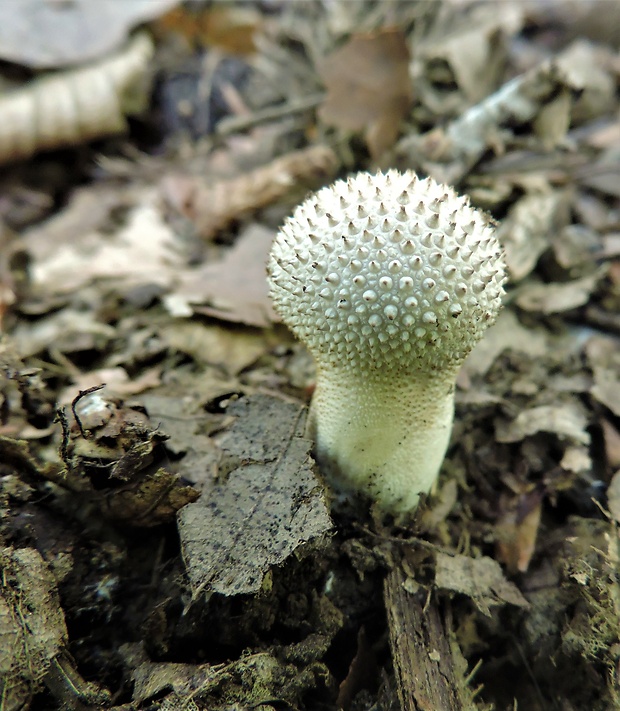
423,662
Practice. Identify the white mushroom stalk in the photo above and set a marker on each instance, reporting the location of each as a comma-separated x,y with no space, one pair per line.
390,281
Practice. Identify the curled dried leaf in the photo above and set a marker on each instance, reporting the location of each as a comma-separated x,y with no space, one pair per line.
213,206
559,296
525,233
75,106
567,420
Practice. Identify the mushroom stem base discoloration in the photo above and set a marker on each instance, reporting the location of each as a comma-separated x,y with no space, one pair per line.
390,438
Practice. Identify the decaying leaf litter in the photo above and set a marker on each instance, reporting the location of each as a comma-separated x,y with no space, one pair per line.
166,539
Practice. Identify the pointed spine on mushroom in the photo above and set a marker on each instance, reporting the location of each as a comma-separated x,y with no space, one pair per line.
390,281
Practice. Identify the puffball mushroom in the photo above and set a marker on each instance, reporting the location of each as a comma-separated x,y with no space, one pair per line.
390,281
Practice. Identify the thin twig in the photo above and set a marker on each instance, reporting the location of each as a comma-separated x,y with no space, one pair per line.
235,124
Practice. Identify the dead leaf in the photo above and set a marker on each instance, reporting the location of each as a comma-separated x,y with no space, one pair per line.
517,530
577,459
553,121
187,407
151,500
111,451
235,288
362,670
598,20
13,265
610,243
482,126
151,679
567,420
142,251
612,443
56,34
602,174
584,69
269,504
477,35
604,360
19,410
481,579
575,249
16,457
230,27
558,296
526,231
613,496
231,349
87,210
188,410
441,505
606,388
66,331
175,686
214,205
506,333
189,436
368,87
77,105
116,380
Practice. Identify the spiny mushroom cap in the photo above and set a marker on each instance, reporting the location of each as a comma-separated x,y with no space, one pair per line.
387,271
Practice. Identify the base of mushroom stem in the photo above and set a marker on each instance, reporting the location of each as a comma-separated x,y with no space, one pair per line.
351,507
382,436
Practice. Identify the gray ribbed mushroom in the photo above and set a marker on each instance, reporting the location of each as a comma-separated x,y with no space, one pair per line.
390,281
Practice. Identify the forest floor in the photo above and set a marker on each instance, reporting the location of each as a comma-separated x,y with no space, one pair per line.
166,540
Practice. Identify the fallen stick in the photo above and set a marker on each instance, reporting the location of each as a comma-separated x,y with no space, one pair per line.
423,661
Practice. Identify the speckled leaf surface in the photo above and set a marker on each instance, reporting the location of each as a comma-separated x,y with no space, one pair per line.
269,504
481,579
